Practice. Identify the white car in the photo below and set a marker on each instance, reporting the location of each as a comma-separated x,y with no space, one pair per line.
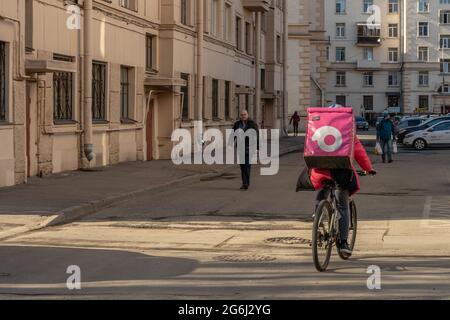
437,135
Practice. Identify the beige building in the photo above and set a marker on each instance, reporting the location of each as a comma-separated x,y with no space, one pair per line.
307,55
93,82
386,55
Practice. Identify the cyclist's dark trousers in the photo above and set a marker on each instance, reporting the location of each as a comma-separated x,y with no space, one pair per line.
342,201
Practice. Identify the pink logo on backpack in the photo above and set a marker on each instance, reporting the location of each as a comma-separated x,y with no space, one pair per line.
330,138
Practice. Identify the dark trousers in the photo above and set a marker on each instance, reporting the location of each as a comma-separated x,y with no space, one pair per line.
343,199
245,173
386,146
296,129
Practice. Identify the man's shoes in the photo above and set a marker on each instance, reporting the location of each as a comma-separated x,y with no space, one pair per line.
344,248
243,187
390,161
384,161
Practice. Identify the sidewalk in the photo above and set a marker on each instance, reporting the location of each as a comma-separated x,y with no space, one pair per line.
65,197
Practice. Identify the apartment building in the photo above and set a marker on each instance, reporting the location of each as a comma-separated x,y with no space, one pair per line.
91,83
307,55
388,55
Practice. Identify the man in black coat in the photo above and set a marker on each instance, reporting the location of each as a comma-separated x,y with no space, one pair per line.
246,124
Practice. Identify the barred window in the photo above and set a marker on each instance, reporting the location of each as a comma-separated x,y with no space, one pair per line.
98,91
185,92
125,93
227,100
3,84
62,93
215,99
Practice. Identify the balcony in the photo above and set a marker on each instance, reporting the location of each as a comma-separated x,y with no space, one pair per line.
369,35
257,5
367,65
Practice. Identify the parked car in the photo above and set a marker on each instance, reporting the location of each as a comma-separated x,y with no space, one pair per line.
436,135
409,122
361,123
427,124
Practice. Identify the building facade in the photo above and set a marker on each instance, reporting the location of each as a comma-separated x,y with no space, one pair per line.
92,83
388,55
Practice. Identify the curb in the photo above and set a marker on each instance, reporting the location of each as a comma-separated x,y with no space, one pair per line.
74,213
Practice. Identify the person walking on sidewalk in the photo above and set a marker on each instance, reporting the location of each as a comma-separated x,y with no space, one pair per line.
386,136
295,120
246,124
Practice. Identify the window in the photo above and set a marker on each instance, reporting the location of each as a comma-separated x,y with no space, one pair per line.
341,100
150,61
393,101
393,79
62,93
340,54
340,30
393,6
279,50
215,99
393,54
423,102
98,91
248,38
393,30
368,78
442,127
239,33
340,6
129,4
367,6
423,29
368,102
125,93
227,99
227,22
185,97
423,54
444,17
423,6
3,82
368,54
444,88
263,79
214,17
424,78
445,65
340,79
444,41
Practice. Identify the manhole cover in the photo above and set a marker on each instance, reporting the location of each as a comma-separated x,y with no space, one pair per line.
246,258
288,240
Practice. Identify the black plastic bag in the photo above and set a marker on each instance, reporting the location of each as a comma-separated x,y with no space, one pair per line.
304,181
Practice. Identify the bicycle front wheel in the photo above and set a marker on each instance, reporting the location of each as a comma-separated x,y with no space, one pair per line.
321,236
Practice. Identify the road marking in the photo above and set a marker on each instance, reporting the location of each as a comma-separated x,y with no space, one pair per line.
436,208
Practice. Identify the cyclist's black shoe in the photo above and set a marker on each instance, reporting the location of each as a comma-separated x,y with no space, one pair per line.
344,248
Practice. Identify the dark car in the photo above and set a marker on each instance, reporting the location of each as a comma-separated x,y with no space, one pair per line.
361,123
403,132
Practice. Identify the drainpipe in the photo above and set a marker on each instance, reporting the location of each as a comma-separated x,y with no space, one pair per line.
285,65
322,91
87,82
199,89
258,111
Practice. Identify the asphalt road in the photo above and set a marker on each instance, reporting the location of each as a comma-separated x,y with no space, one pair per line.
211,240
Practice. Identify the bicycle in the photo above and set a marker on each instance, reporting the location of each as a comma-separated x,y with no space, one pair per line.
326,228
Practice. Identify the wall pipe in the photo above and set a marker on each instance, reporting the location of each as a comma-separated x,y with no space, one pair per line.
87,83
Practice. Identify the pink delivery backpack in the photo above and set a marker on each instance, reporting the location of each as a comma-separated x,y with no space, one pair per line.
330,138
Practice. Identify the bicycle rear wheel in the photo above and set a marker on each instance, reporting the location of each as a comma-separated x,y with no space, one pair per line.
351,231
321,237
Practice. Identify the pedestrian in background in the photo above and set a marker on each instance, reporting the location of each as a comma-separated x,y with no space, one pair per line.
246,124
386,136
295,120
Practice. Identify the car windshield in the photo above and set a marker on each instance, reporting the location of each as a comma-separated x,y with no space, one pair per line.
432,122
360,119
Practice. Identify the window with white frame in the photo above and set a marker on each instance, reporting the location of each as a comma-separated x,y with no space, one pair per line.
129,4
393,6
340,6
444,42
214,17
393,54
340,54
368,79
340,30
444,17
393,30
423,6
367,6
423,29
393,79
341,80
423,54
445,65
227,22
424,78
368,54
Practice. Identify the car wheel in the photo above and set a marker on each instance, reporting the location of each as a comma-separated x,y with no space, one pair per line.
420,144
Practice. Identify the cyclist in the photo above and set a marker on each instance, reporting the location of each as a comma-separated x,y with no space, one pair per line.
347,183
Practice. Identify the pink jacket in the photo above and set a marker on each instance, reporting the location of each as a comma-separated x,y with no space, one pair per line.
318,176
